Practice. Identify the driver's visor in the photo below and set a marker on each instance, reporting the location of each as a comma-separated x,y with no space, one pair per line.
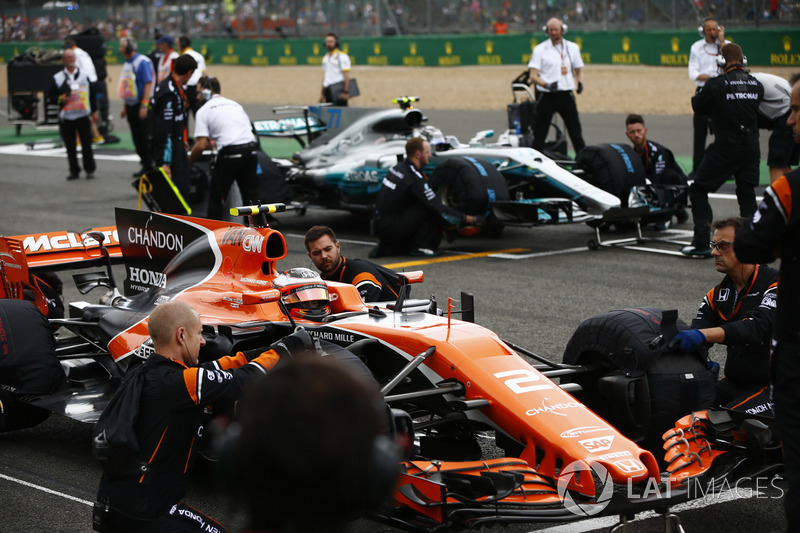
314,293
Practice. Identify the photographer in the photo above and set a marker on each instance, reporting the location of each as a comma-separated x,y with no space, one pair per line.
73,92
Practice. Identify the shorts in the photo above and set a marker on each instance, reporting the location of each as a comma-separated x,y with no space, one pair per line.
783,150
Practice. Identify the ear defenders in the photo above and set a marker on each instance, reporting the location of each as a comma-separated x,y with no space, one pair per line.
701,29
721,62
563,28
207,90
129,48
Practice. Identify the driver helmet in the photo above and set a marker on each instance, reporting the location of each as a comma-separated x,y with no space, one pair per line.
304,294
436,138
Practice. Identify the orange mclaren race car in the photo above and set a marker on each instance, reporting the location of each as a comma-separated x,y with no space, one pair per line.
553,458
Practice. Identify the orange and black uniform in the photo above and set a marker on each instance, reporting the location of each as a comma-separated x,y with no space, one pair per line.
170,426
775,228
747,318
373,281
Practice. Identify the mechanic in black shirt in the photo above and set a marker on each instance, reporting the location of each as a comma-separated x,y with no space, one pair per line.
171,416
170,112
408,213
775,232
740,313
660,166
732,100
374,282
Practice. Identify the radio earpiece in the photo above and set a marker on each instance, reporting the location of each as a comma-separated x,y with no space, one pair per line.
207,90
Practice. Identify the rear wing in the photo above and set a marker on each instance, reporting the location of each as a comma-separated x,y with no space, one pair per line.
62,250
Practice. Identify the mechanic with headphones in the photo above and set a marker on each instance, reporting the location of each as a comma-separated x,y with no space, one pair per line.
174,395
135,88
731,100
739,313
225,123
336,73
556,69
703,66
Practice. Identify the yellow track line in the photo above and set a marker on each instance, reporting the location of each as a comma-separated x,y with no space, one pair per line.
432,260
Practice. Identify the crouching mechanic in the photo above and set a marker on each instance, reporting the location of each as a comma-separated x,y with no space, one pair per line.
740,313
408,213
374,282
176,390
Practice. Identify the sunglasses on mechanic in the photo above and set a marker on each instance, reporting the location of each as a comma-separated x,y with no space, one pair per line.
722,246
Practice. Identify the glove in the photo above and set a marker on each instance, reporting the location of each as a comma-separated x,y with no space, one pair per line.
552,87
686,341
478,220
297,344
580,87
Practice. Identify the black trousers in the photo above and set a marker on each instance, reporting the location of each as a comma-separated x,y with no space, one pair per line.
70,131
329,98
785,376
140,132
701,127
414,228
233,163
563,103
719,164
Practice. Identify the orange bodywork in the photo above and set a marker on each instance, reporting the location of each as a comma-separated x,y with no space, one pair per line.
554,427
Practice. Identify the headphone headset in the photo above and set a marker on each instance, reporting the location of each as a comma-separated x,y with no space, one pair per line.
207,89
721,62
701,29
564,28
129,47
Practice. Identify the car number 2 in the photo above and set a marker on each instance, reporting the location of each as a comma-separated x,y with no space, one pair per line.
521,383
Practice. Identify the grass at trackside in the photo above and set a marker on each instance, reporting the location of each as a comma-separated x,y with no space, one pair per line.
274,147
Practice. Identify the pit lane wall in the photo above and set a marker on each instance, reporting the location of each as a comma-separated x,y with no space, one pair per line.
774,47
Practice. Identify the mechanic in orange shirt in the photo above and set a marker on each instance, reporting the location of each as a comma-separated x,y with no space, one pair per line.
172,412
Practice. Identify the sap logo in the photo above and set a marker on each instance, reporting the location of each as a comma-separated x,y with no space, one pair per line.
362,176
597,444
630,466
253,243
147,277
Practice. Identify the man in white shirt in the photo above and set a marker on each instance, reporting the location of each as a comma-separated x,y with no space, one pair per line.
702,66
71,90
556,67
86,65
185,47
336,73
225,123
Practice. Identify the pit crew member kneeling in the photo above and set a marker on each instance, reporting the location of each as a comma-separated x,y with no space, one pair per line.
740,313
409,214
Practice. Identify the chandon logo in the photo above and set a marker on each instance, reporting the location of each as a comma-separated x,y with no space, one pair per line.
155,239
602,479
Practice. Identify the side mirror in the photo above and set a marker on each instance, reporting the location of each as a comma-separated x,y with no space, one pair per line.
261,297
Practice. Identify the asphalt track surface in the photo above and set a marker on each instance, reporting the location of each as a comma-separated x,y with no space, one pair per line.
533,286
